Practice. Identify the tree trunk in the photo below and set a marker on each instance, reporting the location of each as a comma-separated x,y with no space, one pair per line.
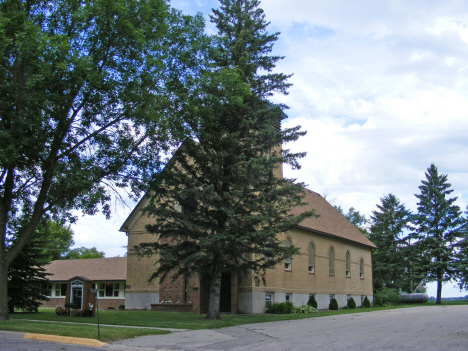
439,291
215,292
3,291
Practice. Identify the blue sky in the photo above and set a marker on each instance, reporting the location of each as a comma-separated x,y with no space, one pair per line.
380,87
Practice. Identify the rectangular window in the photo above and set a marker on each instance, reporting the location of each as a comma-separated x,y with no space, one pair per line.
48,289
332,297
287,266
288,297
268,299
311,269
60,290
109,289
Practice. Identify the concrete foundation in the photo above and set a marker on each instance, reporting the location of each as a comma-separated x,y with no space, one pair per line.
342,300
140,301
323,300
251,302
300,299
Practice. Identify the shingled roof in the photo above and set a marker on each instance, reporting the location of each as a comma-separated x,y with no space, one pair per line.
94,269
331,222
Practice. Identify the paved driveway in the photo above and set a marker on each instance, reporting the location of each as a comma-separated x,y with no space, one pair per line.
423,328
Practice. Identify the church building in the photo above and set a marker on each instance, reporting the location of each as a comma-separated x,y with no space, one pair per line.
335,261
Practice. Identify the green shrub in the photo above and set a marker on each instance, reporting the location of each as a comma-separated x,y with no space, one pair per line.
351,303
77,313
366,303
121,307
280,308
333,304
304,309
312,302
387,297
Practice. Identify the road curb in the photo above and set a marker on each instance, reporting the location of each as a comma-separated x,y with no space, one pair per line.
64,339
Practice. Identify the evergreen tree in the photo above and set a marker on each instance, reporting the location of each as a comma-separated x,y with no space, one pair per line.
462,258
355,218
439,228
221,202
27,277
391,260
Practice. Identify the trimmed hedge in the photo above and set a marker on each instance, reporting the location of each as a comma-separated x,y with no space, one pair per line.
366,303
333,304
351,303
312,302
280,308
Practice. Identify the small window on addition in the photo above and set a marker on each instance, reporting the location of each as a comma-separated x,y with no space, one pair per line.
332,296
288,297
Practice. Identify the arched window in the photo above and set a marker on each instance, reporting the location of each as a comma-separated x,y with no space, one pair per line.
311,258
331,261
348,265
287,260
361,268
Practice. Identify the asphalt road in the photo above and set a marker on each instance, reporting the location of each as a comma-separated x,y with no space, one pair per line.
423,328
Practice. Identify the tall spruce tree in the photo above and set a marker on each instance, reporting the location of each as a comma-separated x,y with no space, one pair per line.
27,277
355,218
392,261
440,228
221,202
462,261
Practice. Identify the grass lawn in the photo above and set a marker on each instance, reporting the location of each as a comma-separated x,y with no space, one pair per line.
19,321
77,331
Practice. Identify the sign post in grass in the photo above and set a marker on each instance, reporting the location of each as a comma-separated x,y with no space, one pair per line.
94,291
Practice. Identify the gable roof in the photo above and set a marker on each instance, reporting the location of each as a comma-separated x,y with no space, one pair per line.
94,269
331,222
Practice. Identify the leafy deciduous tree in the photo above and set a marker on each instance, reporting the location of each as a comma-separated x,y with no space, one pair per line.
83,252
56,239
91,93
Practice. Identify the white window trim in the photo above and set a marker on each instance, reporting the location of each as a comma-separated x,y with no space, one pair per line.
121,289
